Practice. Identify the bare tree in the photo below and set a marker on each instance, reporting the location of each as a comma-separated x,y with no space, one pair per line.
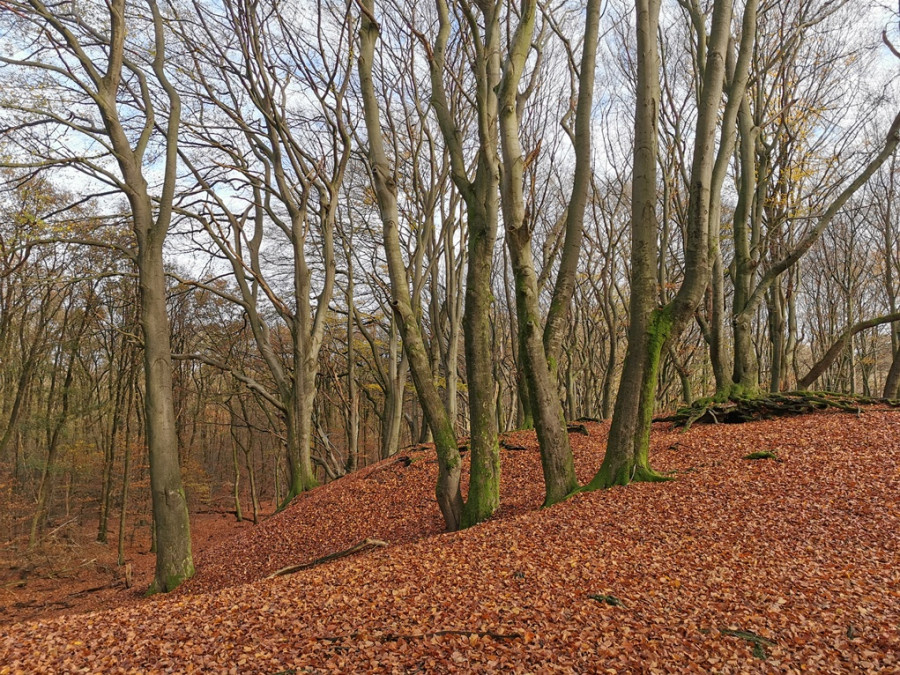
127,114
286,171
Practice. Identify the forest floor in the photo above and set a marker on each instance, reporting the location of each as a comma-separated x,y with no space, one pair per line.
70,572
785,565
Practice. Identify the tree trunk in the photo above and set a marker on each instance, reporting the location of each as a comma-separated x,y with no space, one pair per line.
564,288
122,379
126,472
717,345
254,493
484,483
392,418
352,385
174,562
299,441
549,419
623,461
612,358
449,496
892,381
43,494
776,335
236,467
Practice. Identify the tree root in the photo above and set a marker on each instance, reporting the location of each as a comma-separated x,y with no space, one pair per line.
765,406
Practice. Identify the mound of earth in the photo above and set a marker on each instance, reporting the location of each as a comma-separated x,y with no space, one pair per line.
392,501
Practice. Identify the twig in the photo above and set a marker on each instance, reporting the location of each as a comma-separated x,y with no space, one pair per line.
112,584
57,529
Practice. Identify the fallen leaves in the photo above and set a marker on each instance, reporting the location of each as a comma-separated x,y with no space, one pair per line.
802,554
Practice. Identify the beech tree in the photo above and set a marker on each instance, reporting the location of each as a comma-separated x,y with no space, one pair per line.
100,77
287,175
651,326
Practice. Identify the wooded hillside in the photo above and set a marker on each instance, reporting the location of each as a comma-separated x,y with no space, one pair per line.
258,254
779,565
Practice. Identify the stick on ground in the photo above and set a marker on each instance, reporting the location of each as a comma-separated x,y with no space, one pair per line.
356,548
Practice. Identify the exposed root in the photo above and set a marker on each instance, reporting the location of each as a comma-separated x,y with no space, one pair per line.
764,406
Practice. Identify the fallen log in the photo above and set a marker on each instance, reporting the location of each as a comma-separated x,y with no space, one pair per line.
356,548
575,428
508,445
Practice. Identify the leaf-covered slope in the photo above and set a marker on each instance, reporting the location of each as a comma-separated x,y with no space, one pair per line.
738,566
391,501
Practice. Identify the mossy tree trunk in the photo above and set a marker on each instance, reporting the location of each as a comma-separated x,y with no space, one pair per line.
629,459
484,483
298,423
449,496
556,454
626,458
480,194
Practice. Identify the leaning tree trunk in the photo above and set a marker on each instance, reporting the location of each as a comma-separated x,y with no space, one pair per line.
448,493
840,345
549,421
